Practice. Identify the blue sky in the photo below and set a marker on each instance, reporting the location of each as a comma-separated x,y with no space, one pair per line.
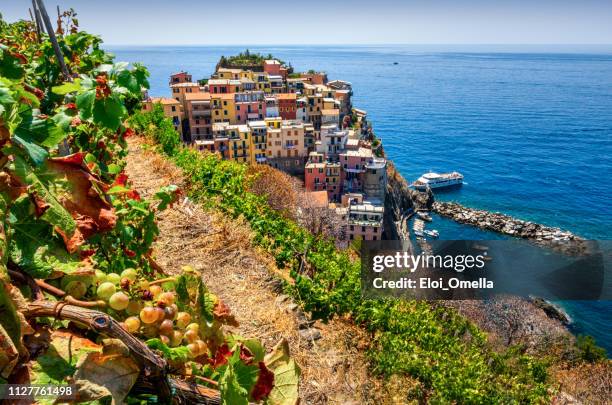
192,22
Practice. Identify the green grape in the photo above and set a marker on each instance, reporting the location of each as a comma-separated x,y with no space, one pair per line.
132,324
191,336
77,289
113,278
130,273
100,277
176,338
155,290
193,326
143,285
119,301
105,290
134,307
166,327
148,315
182,319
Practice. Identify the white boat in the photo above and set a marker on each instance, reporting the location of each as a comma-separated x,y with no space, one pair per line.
438,180
432,233
424,216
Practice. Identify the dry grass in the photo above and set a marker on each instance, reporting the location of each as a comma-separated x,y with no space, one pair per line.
334,368
587,383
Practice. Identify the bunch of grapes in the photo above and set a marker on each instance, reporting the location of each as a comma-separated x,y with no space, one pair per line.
150,309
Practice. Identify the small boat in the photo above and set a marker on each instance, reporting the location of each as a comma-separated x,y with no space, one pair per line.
438,180
424,216
432,233
418,233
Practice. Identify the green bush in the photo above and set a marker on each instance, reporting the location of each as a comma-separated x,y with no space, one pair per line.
588,349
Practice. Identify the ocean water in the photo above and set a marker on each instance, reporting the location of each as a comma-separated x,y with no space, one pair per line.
530,127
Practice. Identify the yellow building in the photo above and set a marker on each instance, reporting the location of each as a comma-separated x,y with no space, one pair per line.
223,108
258,141
173,109
238,140
226,73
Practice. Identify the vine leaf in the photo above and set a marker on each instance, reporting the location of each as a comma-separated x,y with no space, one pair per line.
286,376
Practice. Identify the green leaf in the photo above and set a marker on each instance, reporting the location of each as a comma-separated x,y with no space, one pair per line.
180,353
109,112
68,87
35,152
55,214
286,376
33,246
118,190
126,79
254,346
43,132
85,103
10,66
232,393
167,195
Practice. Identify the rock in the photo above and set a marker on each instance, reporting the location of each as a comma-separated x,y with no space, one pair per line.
292,307
310,334
281,298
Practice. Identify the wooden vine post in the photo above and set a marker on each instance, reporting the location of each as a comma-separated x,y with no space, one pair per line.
49,28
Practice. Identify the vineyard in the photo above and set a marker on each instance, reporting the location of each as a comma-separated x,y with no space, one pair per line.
448,355
82,300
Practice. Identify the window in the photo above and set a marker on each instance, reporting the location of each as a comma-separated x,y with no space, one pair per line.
237,108
352,227
363,229
173,108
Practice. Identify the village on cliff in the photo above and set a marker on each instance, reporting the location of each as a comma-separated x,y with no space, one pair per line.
260,112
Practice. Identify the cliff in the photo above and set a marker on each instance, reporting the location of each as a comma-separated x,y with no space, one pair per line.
400,203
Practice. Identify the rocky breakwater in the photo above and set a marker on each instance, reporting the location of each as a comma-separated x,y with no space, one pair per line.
505,224
400,203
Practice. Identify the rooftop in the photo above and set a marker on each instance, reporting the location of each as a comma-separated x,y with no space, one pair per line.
318,199
185,84
197,96
164,101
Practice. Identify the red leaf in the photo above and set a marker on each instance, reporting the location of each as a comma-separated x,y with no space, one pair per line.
128,132
133,194
91,212
71,106
121,180
222,313
264,384
74,159
221,356
129,253
245,355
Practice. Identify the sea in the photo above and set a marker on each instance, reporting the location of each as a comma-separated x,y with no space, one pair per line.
529,127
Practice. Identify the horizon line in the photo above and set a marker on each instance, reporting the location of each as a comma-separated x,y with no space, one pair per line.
374,44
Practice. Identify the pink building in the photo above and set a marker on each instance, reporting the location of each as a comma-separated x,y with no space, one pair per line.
250,106
180,77
272,67
315,176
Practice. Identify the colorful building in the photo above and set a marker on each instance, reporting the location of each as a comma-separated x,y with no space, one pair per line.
287,105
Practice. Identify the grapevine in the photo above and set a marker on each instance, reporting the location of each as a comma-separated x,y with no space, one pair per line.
76,245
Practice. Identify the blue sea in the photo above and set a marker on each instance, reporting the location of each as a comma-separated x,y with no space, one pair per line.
530,127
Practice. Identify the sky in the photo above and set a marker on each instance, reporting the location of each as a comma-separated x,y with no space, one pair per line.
257,22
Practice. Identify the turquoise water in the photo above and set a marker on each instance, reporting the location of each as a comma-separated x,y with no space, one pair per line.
530,128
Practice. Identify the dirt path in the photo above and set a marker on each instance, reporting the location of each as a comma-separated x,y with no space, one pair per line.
334,368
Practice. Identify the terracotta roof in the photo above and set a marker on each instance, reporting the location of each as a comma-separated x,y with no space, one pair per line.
286,96
197,96
318,198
